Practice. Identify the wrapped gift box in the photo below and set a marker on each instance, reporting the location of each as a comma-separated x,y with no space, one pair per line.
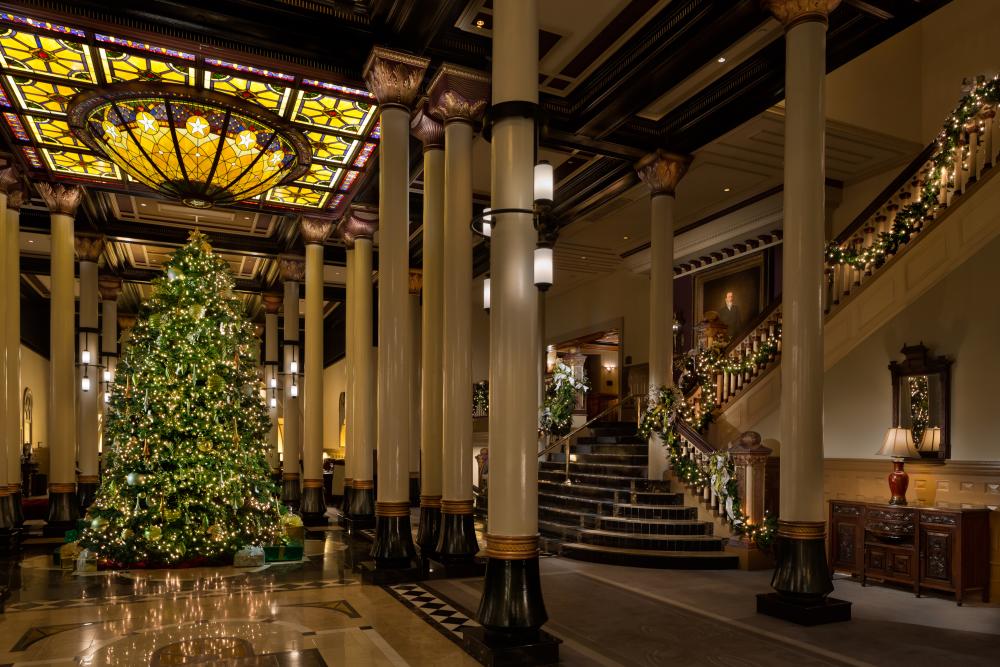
295,534
287,552
249,557
86,561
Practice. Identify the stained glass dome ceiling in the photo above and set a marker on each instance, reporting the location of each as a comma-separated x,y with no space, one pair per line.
43,66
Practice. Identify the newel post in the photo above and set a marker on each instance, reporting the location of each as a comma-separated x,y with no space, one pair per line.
750,460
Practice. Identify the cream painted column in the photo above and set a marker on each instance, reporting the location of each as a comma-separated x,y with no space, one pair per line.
314,231
359,227
272,377
431,134
88,251
394,78
413,338
9,361
292,271
512,606
801,571
62,201
458,96
661,171
110,287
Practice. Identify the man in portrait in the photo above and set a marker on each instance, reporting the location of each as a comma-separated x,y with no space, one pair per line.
730,315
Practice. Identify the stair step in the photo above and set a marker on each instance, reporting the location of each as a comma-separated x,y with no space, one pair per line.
654,526
558,531
632,511
633,440
613,459
681,560
567,517
602,469
665,542
657,498
607,481
564,502
558,487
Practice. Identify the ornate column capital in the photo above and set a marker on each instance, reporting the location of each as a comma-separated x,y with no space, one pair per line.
9,179
88,247
126,321
416,281
427,128
60,198
15,198
394,77
315,230
793,12
272,302
458,93
109,286
662,171
358,224
291,268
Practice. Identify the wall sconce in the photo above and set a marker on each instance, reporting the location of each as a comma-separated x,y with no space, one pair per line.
544,267
85,381
487,228
486,295
544,183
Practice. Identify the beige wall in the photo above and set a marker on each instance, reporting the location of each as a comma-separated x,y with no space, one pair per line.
334,382
35,376
480,334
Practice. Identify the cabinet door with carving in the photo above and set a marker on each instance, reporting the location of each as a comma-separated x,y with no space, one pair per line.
846,538
936,545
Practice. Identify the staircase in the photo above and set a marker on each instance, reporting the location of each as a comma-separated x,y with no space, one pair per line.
610,512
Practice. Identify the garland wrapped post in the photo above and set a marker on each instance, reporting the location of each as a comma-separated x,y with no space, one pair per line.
560,399
666,405
983,95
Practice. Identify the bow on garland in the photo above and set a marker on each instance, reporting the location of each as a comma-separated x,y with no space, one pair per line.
971,108
664,407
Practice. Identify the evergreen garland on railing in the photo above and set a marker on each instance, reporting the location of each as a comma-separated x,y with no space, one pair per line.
909,219
665,406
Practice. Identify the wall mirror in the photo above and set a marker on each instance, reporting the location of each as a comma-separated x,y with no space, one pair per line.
921,400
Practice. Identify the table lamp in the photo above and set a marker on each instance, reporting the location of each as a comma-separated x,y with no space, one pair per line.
899,445
931,440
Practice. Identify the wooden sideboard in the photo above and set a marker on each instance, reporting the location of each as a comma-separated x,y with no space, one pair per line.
939,548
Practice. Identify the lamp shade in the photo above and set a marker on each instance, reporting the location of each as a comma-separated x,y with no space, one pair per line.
898,443
543,267
486,294
544,182
487,222
931,440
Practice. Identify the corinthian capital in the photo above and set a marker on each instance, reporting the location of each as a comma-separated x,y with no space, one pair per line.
272,303
15,198
416,281
88,247
357,224
291,268
458,93
109,287
793,12
394,77
315,230
60,198
662,171
427,128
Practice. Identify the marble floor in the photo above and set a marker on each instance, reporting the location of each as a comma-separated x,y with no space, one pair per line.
316,612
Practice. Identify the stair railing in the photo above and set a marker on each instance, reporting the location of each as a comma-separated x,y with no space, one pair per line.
566,441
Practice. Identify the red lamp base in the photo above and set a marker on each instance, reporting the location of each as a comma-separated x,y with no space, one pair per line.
898,481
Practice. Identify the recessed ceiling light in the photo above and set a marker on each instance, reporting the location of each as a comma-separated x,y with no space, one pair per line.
722,59
726,189
142,203
583,257
625,238
31,240
480,23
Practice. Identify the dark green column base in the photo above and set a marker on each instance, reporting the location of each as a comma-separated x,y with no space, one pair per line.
814,611
313,507
291,493
362,505
85,493
501,651
457,542
429,531
345,502
393,547
15,499
512,607
7,519
801,571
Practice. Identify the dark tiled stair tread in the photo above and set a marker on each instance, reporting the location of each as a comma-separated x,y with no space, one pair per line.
591,465
597,532
621,479
632,440
596,487
655,522
612,459
578,517
650,557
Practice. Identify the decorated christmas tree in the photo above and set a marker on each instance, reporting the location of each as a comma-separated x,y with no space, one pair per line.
185,475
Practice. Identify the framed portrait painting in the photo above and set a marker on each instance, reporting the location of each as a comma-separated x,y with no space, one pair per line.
735,292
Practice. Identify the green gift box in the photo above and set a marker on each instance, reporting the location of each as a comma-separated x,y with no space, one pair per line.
283,553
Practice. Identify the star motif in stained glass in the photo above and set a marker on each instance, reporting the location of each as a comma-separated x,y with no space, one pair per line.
246,140
197,126
147,121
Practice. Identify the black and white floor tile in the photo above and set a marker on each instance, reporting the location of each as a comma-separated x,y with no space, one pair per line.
448,620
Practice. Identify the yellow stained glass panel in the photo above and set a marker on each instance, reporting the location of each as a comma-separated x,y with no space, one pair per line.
320,175
80,164
120,66
60,58
35,95
52,131
296,196
330,147
335,113
266,95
